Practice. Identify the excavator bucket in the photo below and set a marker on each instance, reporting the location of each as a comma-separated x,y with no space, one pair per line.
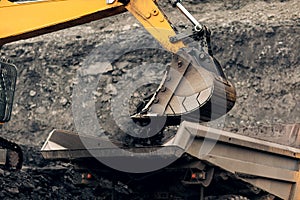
193,89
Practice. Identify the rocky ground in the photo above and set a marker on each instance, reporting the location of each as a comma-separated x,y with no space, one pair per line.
257,42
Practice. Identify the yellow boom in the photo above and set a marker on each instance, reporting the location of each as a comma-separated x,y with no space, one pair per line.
28,19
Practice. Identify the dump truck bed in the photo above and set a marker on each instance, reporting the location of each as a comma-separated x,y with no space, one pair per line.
266,165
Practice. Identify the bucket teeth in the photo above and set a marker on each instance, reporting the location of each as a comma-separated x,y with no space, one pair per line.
192,90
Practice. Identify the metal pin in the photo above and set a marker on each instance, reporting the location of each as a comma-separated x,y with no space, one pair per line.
201,56
179,63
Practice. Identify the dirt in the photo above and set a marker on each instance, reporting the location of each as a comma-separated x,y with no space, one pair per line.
257,43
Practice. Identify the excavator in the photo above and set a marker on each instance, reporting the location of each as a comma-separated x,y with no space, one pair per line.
194,87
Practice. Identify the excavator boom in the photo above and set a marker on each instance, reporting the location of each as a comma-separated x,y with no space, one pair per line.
28,19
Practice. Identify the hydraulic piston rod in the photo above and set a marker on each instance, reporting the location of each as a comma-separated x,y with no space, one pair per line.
198,26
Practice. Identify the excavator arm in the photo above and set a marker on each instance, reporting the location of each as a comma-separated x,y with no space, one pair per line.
28,19
22,20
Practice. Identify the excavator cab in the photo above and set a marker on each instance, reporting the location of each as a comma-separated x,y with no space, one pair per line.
11,156
8,77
